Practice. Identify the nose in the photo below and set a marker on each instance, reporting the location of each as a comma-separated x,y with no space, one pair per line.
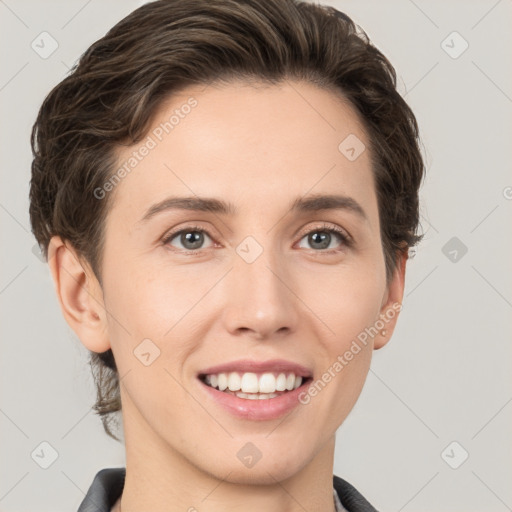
260,298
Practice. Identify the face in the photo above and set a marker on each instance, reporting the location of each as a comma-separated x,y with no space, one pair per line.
187,290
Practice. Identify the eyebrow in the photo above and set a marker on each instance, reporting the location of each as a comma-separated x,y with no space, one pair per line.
313,203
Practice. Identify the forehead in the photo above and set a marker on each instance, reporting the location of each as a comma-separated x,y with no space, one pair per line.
249,143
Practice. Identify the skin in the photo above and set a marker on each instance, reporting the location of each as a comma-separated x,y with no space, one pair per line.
259,148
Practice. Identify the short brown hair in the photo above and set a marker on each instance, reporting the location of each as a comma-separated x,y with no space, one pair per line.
114,91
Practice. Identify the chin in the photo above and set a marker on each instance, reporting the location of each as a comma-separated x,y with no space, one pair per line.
268,470
259,475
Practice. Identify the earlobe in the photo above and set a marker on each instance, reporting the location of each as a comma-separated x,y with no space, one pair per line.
79,294
392,303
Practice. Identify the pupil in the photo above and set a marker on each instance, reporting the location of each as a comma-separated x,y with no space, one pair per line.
189,238
323,239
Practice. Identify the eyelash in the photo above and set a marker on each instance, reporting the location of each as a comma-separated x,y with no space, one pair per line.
346,239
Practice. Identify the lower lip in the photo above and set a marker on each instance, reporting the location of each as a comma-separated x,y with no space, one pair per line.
257,409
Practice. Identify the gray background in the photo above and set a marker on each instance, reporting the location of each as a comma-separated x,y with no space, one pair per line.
446,374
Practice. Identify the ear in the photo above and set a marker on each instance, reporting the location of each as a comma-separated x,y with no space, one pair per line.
80,296
392,302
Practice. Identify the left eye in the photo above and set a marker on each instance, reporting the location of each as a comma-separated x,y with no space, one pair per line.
322,238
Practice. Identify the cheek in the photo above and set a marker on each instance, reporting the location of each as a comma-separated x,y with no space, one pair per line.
348,300
348,303
150,310
158,320
153,304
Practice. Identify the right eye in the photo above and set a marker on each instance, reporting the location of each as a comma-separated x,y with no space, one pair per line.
191,238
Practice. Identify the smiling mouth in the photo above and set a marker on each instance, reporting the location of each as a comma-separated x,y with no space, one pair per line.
255,386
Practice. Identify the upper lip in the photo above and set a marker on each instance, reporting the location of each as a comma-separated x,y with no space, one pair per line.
271,365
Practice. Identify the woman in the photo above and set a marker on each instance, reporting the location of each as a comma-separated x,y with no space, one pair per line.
226,193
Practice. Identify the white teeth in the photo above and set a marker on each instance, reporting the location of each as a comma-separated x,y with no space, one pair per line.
252,396
250,383
281,382
234,382
222,381
266,383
